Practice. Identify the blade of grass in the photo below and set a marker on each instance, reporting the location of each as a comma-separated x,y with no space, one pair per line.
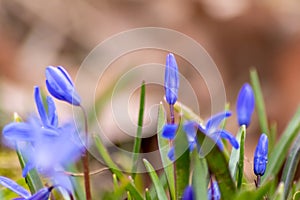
241,158
218,165
163,181
235,155
157,184
163,145
290,166
115,169
137,141
182,160
260,104
281,149
200,177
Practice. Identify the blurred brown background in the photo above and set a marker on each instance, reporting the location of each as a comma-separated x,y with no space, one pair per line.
238,34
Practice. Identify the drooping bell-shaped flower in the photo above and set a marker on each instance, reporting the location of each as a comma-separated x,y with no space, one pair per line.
261,156
60,85
42,194
245,105
188,193
171,79
213,192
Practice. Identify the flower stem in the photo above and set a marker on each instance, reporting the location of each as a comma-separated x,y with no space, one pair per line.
257,182
85,159
172,114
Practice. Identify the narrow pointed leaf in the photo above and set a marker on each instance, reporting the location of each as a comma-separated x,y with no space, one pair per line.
157,184
182,161
137,141
291,166
163,145
200,177
260,104
115,169
281,149
217,165
241,158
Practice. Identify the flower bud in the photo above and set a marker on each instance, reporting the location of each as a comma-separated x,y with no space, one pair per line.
60,85
188,193
245,105
171,79
261,156
213,192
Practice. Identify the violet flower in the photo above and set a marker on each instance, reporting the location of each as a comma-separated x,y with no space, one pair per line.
171,79
42,194
188,193
261,156
60,85
213,192
245,105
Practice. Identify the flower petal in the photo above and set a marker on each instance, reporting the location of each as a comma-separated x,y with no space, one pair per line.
40,106
245,105
42,194
171,79
188,193
171,154
226,135
12,185
18,131
214,122
169,131
261,156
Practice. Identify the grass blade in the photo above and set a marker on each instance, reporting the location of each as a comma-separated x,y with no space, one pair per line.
163,145
241,158
137,141
282,147
218,165
157,184
260,104
290,166
200,177
182,161
115,169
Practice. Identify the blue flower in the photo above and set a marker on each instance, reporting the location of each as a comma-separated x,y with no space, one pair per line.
49,119
171,79
245,105
60,85
42,194
190,128
169,131
212,130
213,192
261,156
188,193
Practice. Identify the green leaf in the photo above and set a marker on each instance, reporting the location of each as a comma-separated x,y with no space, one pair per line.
279,195
182,160
200,177
236,154
217,165
164,147
157,184
281,149
115,169
137,141
241,158
186,112
164,183
261,193
147,194
260,104
290,166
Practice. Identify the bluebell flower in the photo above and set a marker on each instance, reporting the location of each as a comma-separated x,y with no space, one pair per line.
213,192
49,118
212,130
190,128
171,79
60,85
245,105
188,193
169,131
42,194
261,156
171,153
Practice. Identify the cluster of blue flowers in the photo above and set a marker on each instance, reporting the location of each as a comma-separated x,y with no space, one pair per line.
245,108
48,147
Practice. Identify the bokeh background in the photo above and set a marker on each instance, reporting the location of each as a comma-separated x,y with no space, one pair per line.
238,35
